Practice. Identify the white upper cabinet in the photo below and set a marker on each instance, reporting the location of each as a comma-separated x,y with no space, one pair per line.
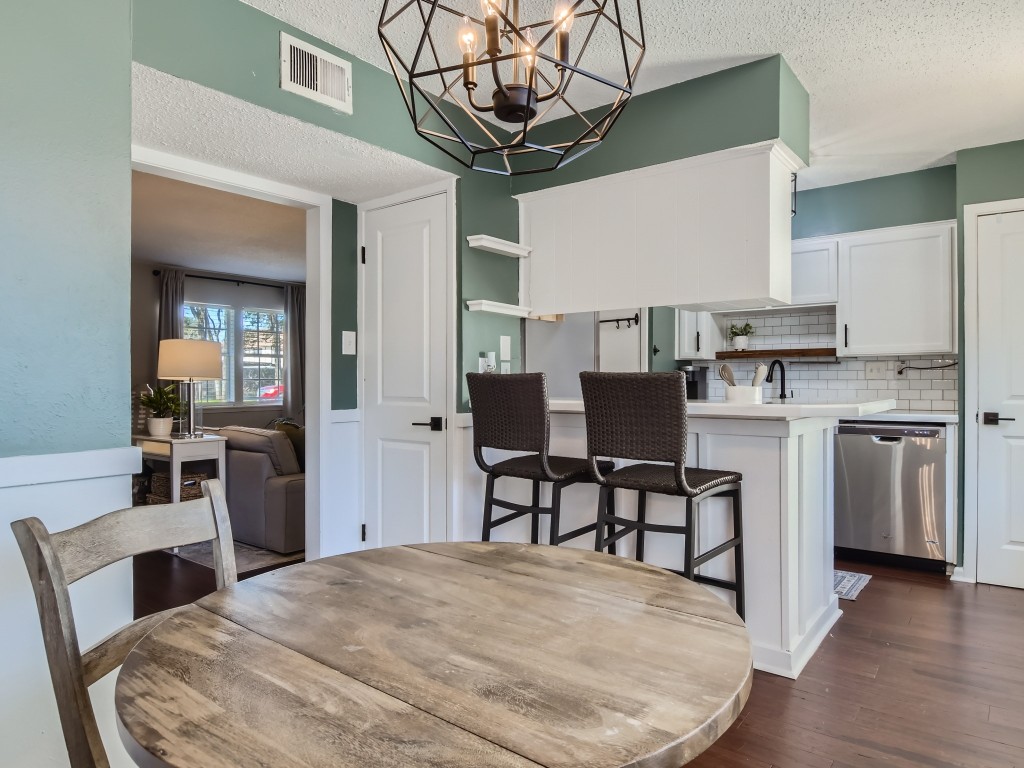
816,271
709,232
897,291
698,336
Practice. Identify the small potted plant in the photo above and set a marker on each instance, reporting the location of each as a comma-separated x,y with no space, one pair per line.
740,336
163,403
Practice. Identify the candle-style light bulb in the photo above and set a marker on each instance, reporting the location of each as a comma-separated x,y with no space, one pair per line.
563,16
488,7
467,36
528,49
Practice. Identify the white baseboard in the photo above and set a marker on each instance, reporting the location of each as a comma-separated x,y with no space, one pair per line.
791,663
961,575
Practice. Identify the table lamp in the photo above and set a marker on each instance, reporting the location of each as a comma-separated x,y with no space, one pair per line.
189,360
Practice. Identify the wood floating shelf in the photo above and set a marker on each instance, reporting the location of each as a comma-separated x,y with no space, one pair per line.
497,308
497,245
753,354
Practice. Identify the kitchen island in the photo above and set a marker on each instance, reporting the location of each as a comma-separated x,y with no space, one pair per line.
785,453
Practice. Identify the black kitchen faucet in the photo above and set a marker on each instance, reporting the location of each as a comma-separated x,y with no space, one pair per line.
782,377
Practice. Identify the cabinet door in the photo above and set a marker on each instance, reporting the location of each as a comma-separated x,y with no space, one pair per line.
697,336
896,292
815,271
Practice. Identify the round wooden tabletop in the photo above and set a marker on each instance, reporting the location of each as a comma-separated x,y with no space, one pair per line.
450,655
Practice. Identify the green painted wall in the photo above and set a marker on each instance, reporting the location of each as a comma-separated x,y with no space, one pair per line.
344,304
889,201
661,333
731,108
65,195
231,47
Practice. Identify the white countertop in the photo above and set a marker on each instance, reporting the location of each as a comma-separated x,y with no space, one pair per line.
774,410
919,417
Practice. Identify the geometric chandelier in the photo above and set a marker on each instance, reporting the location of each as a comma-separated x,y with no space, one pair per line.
513,87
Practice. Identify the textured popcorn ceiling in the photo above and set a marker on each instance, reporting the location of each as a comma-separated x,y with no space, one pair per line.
187,119
895,85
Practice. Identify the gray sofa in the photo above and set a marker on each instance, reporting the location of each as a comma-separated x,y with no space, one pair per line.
266,489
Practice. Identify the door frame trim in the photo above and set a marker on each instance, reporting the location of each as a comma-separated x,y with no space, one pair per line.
968,570
446,187
319,260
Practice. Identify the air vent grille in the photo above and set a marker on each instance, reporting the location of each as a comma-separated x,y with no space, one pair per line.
315,74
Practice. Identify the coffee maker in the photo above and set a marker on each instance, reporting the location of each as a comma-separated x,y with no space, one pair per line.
696,381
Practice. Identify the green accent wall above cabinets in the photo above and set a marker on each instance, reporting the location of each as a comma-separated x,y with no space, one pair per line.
731,108
344,304
65,197
661,331
888,201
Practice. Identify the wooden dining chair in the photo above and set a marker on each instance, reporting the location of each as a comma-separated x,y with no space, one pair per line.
57,560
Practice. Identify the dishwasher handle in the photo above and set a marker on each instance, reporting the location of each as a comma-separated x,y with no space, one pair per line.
890,439
876,431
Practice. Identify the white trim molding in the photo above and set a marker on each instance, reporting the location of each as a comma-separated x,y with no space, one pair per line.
967,571
19,471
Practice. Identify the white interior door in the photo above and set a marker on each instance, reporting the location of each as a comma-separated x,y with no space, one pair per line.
405,364
1000,395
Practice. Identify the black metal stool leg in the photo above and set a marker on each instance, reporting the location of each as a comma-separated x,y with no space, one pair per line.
611,523
691,534
641,518
602,507
737,528
556,508
488,508
535,517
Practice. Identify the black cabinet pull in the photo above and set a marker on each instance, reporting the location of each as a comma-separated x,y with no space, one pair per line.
846,334
435,424
698,341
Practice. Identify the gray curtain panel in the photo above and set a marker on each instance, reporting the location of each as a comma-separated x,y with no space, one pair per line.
171,317
295,367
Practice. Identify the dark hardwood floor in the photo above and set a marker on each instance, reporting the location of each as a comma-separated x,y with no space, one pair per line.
919,672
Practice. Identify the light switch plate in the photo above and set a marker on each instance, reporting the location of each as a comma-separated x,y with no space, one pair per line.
505,348
348,342
506,366
875,370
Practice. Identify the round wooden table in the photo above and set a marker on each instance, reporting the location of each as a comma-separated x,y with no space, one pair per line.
450,655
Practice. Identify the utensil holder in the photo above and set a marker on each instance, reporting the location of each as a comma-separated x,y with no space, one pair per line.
745,394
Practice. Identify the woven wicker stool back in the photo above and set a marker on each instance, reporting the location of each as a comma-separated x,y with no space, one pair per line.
510,411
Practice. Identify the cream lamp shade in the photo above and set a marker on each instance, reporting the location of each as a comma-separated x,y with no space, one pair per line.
189,360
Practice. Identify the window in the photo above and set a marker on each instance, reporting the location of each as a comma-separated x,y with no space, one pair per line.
252,342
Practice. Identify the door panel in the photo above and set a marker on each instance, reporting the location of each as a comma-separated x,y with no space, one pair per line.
815,272
405,347
1001,390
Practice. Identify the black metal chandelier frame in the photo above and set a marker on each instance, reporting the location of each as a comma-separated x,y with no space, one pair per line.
411,81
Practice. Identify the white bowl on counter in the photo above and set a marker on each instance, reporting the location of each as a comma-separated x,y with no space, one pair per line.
744,394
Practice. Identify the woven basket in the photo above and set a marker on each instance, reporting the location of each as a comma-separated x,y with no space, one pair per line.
191,485
152,498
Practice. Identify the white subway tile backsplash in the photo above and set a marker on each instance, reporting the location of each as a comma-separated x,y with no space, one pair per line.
827,380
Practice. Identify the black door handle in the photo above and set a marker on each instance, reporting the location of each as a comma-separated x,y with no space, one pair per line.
846,334
698,341
435,424
992,419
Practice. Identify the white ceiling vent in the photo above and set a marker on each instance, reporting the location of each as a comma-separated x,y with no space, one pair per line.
315,74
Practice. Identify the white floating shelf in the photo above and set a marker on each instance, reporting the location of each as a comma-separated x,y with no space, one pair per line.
497,308
496,245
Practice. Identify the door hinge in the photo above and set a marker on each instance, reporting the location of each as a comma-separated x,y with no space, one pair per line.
363,532
364,254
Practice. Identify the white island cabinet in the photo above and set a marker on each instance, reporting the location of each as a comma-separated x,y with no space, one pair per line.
785,455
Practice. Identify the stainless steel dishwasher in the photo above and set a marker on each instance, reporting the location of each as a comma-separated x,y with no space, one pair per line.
890,489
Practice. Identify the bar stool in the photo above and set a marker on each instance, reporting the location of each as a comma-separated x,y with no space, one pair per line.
510,412
642,416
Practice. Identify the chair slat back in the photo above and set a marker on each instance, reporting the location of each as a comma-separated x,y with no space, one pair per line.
510,411
57,560
639,416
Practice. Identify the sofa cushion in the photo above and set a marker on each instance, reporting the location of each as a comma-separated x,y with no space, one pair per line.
274,444
297,435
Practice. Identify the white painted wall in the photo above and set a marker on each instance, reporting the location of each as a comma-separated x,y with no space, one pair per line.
63,490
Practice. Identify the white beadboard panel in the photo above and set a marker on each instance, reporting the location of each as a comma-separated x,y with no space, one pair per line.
585,249
618,252
657,237
63,490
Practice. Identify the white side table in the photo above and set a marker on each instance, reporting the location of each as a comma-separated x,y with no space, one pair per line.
178,450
